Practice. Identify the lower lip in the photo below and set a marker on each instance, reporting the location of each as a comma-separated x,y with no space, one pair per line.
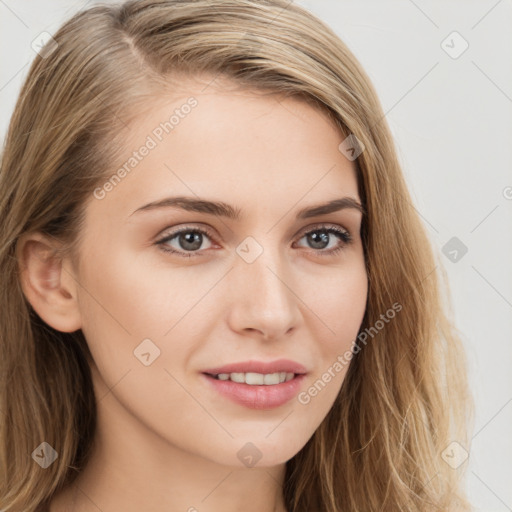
260,396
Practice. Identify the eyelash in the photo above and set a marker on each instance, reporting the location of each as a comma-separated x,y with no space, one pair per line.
344,235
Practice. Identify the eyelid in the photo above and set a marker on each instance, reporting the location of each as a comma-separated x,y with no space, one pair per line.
322,225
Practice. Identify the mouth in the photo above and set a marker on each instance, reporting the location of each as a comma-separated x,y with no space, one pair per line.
257,384
256,390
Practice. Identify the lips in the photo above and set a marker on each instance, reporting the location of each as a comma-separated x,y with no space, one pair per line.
239,382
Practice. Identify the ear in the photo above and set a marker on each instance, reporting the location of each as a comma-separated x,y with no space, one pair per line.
48,282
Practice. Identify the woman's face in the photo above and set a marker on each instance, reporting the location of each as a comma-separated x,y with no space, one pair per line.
160,309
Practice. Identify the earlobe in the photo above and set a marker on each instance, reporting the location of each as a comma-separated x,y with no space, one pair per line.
47,284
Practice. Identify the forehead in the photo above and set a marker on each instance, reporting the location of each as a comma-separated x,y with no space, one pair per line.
225,142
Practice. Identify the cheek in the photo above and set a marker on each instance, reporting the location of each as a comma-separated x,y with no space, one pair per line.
120,308
132,295
345,308
127,299
337,301
337,313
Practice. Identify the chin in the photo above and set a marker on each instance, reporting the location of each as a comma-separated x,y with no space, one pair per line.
258,451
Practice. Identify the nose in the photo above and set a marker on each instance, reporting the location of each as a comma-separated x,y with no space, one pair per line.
263,298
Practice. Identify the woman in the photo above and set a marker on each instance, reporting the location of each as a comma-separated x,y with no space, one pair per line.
216,291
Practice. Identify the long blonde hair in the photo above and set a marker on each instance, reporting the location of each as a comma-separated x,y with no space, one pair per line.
405,397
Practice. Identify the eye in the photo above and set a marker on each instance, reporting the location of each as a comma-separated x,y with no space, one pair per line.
321,236
189,240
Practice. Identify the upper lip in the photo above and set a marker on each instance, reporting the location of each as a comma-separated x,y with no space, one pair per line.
280,365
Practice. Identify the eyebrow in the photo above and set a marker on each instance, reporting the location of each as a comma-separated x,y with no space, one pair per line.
220,209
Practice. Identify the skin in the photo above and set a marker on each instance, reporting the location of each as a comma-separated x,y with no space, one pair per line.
166,440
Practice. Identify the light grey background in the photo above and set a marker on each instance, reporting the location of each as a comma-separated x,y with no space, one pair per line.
451,118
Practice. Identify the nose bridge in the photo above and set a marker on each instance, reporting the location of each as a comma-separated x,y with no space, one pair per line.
261,266
264,299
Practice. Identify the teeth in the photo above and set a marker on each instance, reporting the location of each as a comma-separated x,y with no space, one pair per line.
237,377
269,378
257,379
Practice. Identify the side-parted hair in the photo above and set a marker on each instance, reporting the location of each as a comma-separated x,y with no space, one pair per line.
405,397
